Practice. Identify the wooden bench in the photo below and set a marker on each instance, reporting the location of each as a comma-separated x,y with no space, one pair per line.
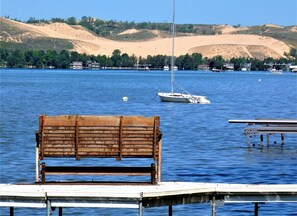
98,137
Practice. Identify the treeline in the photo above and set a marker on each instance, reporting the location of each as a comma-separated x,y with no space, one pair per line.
62,60
108,28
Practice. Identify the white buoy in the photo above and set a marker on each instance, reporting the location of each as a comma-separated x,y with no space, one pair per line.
259,80
125,99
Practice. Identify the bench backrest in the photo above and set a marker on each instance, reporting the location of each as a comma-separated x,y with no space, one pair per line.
99,136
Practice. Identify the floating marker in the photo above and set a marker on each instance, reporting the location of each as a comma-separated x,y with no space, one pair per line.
125,98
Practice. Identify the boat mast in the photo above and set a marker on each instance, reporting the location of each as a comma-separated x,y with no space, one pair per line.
172,57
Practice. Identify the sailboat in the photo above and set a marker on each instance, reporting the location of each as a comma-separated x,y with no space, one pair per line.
184,96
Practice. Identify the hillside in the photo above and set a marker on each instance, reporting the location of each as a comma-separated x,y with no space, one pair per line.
255,42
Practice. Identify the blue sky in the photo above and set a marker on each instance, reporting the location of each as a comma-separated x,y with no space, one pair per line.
232,12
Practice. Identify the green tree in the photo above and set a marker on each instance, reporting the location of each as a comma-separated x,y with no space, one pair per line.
102,60
116,58
216,62
71,21
63,60
58,20
293,54
4,54
126,60
257,65
38,58
16,59
49,58
29,59
185,62
197,60
238,62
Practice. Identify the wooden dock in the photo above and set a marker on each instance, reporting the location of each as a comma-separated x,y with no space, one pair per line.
59,196
267,127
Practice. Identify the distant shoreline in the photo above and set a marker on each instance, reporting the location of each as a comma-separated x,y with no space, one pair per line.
135,69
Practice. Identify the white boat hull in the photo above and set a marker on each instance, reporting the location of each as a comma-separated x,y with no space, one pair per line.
183,98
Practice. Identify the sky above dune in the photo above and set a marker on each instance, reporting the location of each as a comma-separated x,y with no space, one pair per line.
232,12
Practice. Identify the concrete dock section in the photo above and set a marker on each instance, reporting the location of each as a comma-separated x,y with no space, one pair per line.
59,196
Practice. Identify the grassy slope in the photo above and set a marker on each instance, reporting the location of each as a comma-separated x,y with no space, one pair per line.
10,34
283,34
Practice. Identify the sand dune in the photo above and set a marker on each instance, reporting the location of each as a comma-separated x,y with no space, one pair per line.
226,44
129,31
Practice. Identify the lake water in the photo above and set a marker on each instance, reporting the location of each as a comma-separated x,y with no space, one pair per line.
199,145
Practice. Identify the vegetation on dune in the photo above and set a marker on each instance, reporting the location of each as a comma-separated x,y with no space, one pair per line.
13,37
39,44
112,28
279,33
8,30
138,36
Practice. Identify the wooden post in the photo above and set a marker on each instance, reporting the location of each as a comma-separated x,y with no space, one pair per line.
213,205
283,139
248,140
11,211
256,209
268,139
48,208
261,140
140,209
60,211
170,210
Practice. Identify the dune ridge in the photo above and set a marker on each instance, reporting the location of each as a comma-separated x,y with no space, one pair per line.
225,44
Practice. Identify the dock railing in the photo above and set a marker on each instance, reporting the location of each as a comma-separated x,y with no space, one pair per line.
262,126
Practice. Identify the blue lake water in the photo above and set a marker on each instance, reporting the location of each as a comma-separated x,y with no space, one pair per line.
199,145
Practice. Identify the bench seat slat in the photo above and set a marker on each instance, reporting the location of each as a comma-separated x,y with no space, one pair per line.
96,139
70,149
99,135
68,170
59,132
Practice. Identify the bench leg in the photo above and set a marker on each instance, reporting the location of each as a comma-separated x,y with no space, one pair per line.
37,165
43,173
153,174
